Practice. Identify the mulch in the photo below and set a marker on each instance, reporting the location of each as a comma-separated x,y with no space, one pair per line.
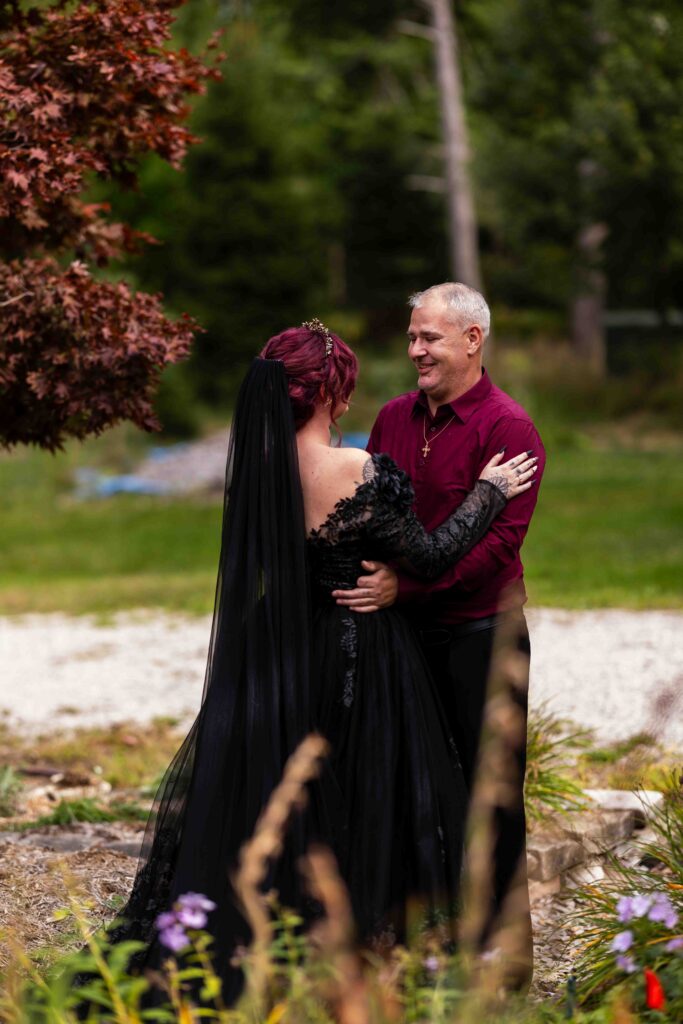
34,879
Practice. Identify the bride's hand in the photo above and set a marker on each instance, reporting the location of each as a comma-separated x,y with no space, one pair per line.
512,477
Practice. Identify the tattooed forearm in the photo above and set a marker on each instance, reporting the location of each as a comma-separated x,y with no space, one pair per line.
501,482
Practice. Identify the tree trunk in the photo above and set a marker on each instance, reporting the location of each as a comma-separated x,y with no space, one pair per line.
588,304
462,221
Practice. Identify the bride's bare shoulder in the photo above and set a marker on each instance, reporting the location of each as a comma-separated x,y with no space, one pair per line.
354,464
337,471
328,476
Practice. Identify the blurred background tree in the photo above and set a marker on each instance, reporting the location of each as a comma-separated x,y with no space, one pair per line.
580,155
320,185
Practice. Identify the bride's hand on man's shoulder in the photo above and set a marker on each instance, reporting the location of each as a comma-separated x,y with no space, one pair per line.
512,477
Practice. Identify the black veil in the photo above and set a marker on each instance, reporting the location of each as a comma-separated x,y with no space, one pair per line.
256,701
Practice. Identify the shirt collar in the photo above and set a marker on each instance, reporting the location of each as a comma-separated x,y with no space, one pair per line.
462,407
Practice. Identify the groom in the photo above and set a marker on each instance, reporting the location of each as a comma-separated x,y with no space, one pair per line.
442,435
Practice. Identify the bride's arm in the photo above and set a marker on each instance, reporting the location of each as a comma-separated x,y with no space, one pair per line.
404,540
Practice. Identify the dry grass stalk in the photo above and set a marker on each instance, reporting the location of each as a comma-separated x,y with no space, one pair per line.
621,1011
349,994
20,968
495,790
266,844
121,1014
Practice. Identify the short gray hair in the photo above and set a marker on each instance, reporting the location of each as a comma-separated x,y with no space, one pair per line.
466,303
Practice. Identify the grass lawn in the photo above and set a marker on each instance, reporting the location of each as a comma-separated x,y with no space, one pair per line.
608,531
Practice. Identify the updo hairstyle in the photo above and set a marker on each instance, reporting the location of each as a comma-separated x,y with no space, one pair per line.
313,376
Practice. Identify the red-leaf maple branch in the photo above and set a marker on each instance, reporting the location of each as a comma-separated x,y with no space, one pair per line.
85,90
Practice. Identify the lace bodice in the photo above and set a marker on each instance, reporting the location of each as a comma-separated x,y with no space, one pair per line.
377,522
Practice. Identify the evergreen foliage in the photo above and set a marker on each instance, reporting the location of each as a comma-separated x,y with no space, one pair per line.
316,189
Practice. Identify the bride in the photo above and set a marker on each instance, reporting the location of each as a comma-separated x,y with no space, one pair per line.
286,660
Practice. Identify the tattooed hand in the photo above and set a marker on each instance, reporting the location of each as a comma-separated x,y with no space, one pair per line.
512,477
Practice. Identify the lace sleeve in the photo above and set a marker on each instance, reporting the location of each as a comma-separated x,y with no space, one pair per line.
393,525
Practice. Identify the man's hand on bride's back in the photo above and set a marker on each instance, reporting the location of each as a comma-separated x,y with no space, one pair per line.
512,477
376,590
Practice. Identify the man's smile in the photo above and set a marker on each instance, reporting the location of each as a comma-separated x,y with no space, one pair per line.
424,370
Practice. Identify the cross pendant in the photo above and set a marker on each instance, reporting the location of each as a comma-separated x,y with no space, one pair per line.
426,450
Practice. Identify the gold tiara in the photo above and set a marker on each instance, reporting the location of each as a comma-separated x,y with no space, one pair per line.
318,327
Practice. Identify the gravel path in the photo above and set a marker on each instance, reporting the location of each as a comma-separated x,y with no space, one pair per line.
618,672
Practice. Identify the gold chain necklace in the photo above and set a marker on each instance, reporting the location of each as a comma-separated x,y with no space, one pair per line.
427,448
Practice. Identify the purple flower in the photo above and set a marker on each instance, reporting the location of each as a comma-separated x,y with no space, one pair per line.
165,920
191,918
432,964
627,963
663,911
625,909
675,945
622,942
189,912
195,901
641,904
174,938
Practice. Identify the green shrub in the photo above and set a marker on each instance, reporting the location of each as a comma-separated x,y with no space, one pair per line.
68,812
10,785
551,747
303,986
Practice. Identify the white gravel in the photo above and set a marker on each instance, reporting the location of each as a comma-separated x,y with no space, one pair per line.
618,672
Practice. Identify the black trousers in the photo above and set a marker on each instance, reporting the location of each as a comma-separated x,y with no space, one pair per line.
460,661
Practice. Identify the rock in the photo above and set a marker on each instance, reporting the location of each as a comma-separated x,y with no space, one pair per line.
552,855
70,779
598,831
127,847
539,890
10,837
66,843
643,802
574,839
584,874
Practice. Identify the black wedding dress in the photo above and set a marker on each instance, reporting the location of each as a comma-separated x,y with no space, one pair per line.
285,660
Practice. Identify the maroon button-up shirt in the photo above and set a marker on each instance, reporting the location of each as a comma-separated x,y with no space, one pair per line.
463,436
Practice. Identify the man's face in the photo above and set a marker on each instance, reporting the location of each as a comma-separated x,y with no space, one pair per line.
440,350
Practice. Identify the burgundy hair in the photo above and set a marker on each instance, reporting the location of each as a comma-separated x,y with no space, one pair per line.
312,375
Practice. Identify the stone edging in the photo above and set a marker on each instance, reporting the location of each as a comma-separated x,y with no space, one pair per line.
578,840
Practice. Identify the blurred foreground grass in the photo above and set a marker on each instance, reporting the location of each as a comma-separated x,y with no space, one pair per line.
608,531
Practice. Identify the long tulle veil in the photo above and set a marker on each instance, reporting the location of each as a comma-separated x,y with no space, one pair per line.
256,701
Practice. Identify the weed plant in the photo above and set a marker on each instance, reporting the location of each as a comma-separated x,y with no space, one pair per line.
320,978
10,787
551,751
308,981
632,923
635,763
68,812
